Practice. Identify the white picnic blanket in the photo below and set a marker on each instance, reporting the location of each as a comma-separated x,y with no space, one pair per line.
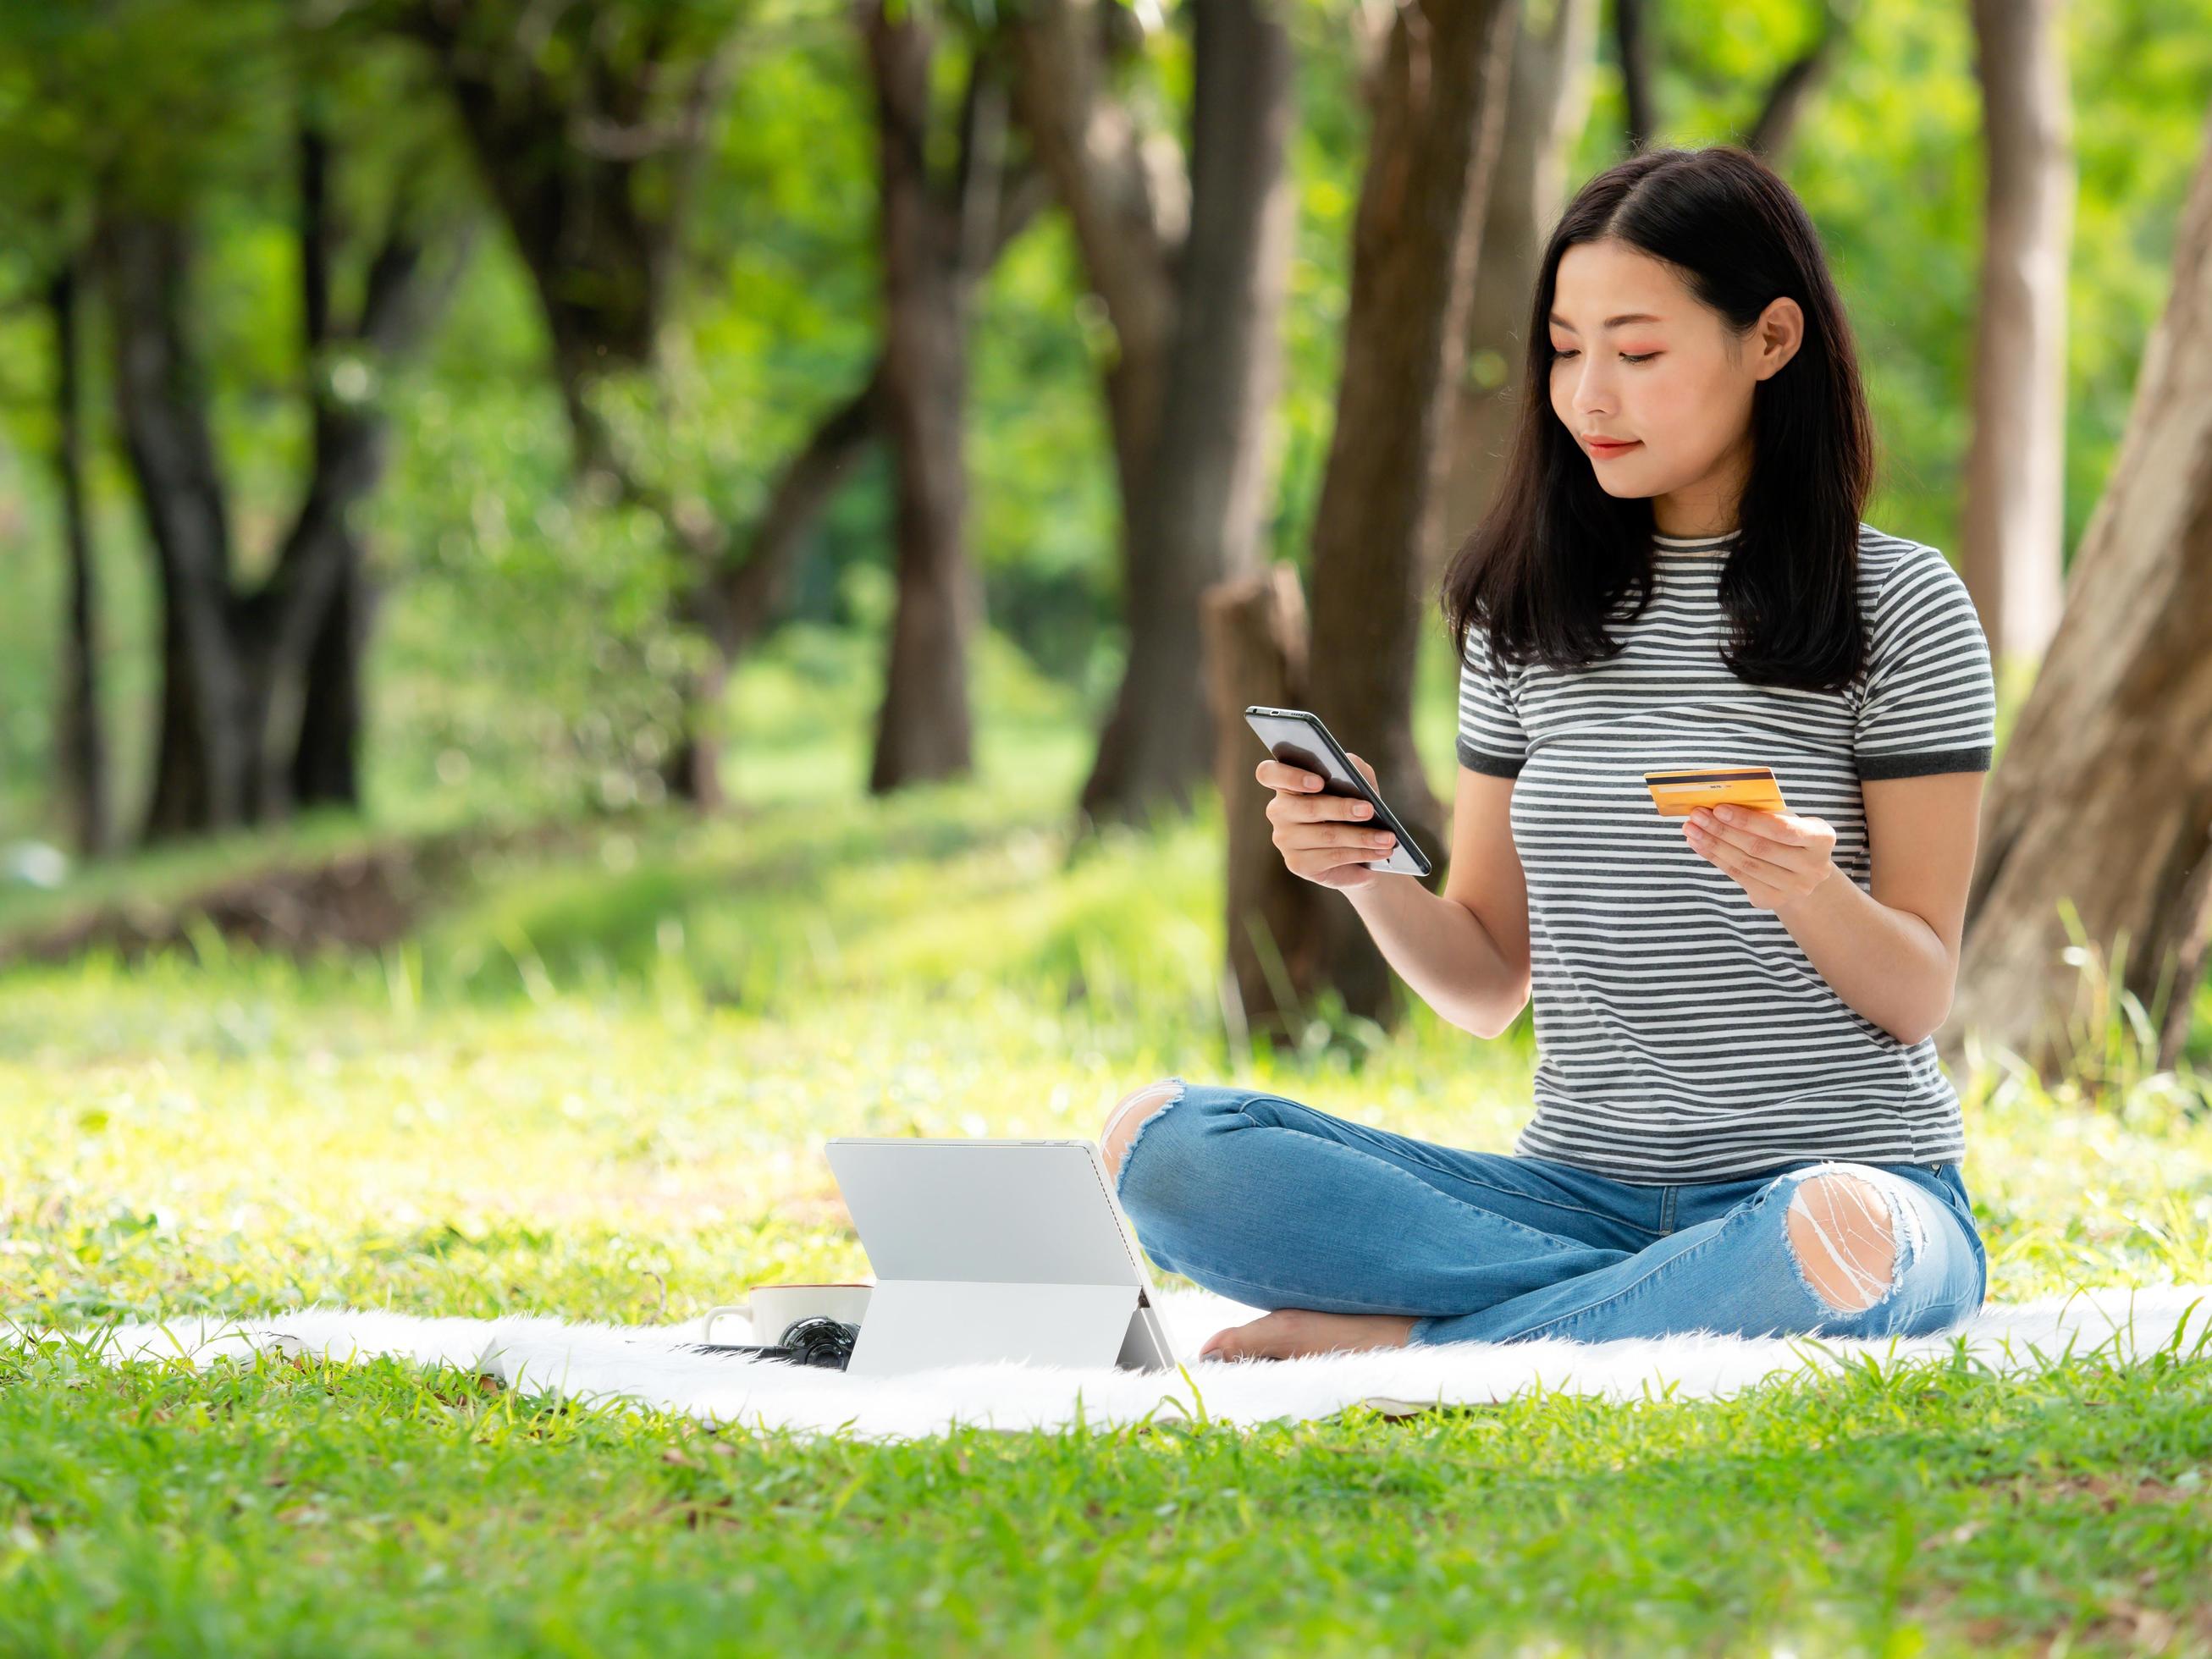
652,1366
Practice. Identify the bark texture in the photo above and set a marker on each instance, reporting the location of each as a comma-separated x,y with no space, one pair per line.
1190,268
1416,240
2102,797
2012,538
80,739
928,228
1255,652
1781,109
234,658
1547,103
590,153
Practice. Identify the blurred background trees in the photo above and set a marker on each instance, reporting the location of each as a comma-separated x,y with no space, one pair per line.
424,410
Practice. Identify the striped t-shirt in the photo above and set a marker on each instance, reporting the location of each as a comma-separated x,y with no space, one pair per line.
1682,1034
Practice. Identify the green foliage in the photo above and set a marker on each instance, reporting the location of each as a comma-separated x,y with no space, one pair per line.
1888,161
524,636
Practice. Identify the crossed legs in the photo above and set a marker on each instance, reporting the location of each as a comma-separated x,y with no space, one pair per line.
1838,1228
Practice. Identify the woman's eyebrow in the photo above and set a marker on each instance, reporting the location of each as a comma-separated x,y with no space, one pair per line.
1558,321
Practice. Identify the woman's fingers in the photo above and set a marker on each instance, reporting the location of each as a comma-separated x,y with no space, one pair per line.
1733,858
1297,806
1325,838
1757,851
1320,838
1276,774
1755,826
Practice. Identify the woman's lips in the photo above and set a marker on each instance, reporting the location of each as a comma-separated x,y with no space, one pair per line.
1604,450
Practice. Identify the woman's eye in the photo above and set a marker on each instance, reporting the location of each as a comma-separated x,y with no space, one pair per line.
1627,358
1556,352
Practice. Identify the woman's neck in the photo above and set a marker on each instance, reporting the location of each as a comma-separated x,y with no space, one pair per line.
1691,526
1706,506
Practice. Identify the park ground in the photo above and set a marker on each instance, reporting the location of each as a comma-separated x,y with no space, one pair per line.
593,1080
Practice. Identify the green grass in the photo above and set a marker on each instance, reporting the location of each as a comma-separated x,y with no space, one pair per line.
597,1085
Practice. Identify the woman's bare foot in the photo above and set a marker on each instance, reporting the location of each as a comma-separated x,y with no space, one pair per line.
1292,1333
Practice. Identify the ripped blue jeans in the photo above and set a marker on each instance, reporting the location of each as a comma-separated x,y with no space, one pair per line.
1276,1205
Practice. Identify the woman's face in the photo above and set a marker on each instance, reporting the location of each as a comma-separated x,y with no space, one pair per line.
1639,359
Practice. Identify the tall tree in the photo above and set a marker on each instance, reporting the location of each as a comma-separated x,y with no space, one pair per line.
1631,39
2103,798
51,141
80,745
935,236
1781,108
2014,523
590,124
231,654
1416,241
1190,261
1437,109
1546,104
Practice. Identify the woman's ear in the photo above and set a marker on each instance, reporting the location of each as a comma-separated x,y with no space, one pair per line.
1779,332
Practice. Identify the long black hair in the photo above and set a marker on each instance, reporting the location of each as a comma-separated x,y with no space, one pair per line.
1555,554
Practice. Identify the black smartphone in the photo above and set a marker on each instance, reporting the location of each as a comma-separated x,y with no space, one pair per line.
1296,736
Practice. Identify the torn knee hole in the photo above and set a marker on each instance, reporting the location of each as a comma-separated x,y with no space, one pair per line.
1845,1246
1130,1115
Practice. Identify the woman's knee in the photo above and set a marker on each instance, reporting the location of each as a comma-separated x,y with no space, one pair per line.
1153,1139
1132,1115
1851,1235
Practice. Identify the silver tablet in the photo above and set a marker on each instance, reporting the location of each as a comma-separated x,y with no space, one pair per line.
992,1249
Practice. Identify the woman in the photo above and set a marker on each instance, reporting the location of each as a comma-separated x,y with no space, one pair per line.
1740,1125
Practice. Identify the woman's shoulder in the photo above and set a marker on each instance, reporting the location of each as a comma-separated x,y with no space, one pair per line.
1882,555
1900,577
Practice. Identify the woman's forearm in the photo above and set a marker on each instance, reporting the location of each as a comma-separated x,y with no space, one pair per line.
1441,949
1888,964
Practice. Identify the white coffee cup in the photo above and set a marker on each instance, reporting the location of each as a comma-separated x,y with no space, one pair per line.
774,1309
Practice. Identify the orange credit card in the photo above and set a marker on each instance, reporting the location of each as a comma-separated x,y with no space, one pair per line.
1679,792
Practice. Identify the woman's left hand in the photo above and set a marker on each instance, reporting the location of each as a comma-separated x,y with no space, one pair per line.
1777,858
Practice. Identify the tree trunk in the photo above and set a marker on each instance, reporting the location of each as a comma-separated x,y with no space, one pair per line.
1791,91
741,593
2104,795
598,225
326,768
1190,267
737,599
1197,519
1547,103
1415,242
230,658
2011,539
1255,652
923,727
303,627
1787,95
1632,41
206,765
80,744
1128,208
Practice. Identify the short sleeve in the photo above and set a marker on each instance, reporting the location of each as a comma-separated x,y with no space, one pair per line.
1929,702
1490,736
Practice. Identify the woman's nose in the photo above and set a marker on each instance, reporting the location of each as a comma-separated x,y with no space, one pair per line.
1593,392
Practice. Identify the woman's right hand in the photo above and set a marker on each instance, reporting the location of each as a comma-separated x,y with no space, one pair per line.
1327,839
